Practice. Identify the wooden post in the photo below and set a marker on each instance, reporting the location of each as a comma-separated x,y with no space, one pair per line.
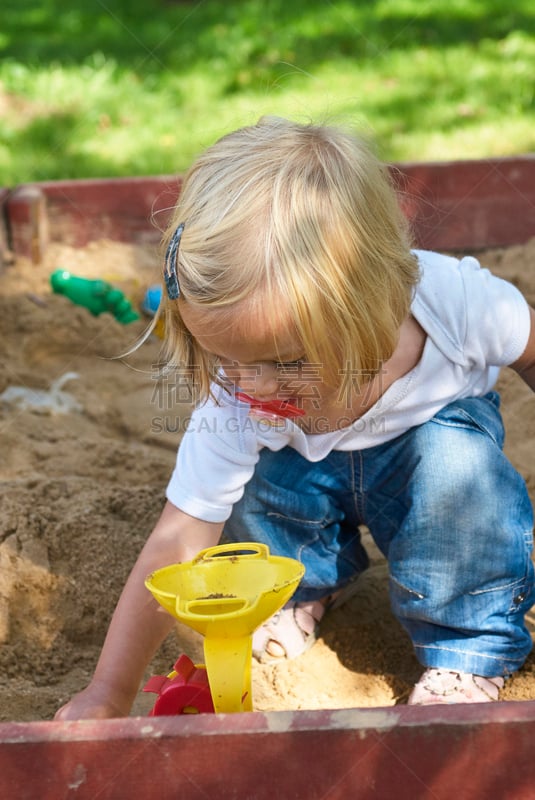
28,222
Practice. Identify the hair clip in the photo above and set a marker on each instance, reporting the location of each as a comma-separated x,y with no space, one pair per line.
171,256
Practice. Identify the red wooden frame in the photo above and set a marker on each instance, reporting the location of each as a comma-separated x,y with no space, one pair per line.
459,205
404,752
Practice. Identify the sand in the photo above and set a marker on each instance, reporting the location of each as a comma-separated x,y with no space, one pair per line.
82,486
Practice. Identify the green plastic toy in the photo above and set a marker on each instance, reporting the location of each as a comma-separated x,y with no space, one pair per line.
95,295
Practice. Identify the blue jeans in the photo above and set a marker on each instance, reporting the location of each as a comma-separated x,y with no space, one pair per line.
446,508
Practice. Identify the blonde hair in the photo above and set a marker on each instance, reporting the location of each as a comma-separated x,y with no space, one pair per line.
303,218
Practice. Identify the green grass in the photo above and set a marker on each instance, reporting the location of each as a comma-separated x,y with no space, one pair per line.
125,87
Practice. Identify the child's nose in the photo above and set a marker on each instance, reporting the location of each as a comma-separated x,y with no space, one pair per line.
266,385
263,384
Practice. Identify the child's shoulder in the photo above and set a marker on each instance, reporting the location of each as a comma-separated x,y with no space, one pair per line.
436,266
466,308
447,282
441,290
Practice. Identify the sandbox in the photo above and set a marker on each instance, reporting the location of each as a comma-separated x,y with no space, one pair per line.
80,491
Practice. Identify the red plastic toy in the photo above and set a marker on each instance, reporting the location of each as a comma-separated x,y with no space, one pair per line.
270,408
183,691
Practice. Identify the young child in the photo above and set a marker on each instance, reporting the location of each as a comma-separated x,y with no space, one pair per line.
342,380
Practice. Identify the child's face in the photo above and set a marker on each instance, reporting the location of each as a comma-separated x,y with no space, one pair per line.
258,358
265,359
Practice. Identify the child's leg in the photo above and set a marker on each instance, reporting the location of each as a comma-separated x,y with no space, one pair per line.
454,519
305,511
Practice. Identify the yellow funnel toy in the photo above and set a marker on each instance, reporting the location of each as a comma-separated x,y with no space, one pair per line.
226,593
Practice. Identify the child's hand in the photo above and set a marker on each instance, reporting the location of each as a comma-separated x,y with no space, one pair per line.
93,702
138,628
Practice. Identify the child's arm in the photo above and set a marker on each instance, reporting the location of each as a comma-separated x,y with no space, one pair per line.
139,624
525,366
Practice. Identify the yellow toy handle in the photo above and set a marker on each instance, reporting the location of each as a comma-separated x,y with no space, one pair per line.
239,550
